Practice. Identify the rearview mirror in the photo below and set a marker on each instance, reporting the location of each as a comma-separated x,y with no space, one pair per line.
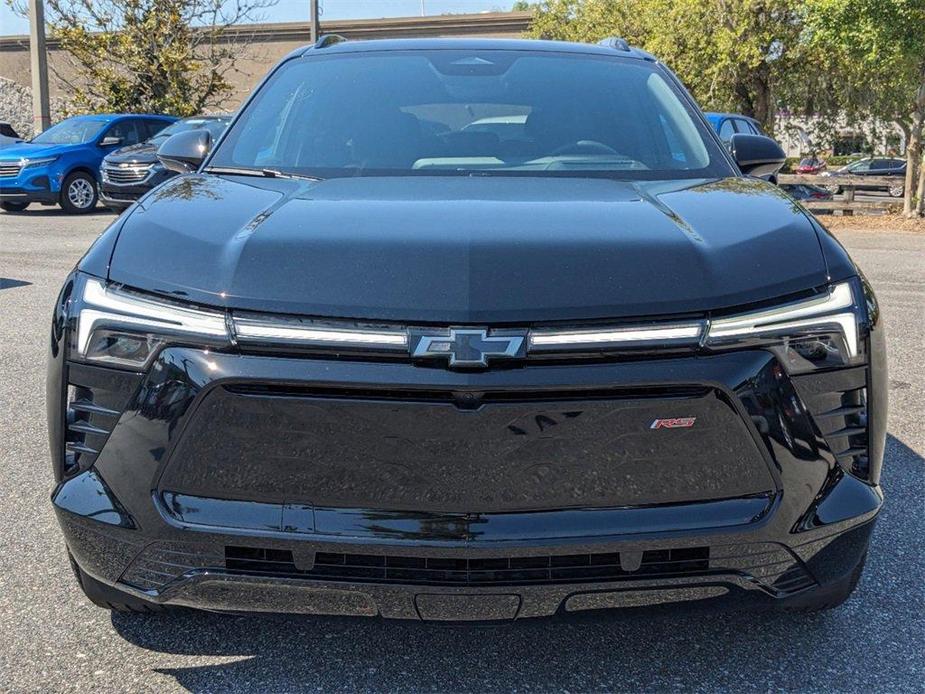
185,151
110,141
757,155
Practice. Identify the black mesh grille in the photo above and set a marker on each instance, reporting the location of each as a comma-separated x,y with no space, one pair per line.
486,571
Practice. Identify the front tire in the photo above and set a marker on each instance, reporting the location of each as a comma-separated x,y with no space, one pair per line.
13,206
896,191
108,597
78,193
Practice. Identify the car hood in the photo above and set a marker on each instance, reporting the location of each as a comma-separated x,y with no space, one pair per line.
468,249
141,153
29,150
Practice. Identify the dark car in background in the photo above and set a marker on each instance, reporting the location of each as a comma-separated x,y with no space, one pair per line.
61,165
363,359
810,165
8,135
130,172
893,167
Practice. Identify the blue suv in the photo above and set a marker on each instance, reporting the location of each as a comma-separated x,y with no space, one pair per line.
61,165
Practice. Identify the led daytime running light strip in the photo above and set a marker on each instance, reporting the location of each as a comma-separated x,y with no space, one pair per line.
255,330
105,305
813,313
575,338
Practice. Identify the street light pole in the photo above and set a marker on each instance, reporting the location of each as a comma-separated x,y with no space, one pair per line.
313,11
38,60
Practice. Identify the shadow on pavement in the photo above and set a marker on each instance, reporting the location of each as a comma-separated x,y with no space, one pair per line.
55,211
695,646
7,283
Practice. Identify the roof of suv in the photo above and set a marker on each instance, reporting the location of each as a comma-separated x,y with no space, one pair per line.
343,46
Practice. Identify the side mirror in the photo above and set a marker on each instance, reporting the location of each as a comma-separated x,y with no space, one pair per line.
110,141
757,155
185,151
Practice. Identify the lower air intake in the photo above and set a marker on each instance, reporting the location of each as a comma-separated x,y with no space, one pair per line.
488,571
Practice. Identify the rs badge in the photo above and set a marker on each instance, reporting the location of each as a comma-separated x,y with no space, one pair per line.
673,423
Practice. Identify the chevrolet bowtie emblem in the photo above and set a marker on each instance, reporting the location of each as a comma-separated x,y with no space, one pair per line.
468,347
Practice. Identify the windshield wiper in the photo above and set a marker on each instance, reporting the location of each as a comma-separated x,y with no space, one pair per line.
263,173
276,173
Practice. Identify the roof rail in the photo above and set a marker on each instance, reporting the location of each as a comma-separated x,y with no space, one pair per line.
326,40
616,43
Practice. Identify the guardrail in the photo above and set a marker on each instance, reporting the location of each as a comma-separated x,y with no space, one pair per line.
848,184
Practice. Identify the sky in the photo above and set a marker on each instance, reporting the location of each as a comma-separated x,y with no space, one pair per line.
297,10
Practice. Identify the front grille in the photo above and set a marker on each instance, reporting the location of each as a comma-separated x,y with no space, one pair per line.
838,403
126,175
9,169
469,572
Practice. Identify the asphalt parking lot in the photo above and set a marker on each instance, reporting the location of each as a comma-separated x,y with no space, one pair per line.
52,639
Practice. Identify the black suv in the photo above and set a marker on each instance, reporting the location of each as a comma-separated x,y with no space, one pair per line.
363,359
132,171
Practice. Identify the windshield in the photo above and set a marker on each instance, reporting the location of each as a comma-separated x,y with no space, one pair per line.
73,131
471,112
215,126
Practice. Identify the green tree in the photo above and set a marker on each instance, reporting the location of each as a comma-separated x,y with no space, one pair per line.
874,51
732,54
162,56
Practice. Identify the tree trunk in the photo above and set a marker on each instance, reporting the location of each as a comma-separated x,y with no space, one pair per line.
920,193
914,151
761,98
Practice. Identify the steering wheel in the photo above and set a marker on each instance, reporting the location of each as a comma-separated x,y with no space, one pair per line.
584,147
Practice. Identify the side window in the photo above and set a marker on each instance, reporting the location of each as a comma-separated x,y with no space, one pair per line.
126,130
746,127
153,127
726,130
862,166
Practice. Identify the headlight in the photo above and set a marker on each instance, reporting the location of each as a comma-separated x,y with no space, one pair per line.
30,163
122,328
815,333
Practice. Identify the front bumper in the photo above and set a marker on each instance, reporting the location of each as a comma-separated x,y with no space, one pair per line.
236,519
34,184
28,195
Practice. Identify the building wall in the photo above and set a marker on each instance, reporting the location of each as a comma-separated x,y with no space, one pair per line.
801,136
268,43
